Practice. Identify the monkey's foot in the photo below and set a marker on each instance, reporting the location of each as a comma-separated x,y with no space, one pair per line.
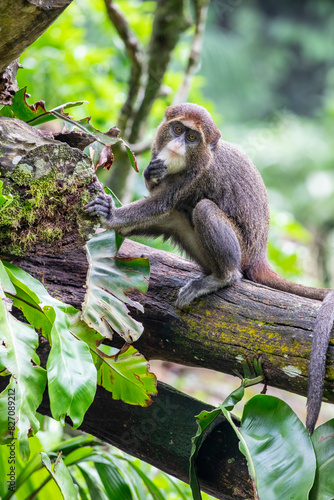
103,206
202,286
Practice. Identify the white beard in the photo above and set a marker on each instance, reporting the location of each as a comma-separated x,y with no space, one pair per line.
175,162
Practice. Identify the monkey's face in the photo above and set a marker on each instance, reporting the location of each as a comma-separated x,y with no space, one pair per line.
181,142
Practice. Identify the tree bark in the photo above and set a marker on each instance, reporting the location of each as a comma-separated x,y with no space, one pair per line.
217,332
22,22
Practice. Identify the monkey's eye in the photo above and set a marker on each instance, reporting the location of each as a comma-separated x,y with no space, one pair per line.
192,136
178,128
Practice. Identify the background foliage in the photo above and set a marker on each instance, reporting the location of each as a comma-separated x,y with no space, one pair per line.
267,77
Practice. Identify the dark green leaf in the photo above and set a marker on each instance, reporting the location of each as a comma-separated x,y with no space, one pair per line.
23,395
204,421
323,442
5,200
95,491
61,476
113,481
71,371
278,449
109,278
152,488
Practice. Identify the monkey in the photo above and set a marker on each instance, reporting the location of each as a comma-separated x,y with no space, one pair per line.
208,198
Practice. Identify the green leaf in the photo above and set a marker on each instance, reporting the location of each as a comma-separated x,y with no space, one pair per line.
119,238
125,374
21,398
278,449
34,114
5,200
5,280
93,489
115,485
132,157
109,278
71,371
151,487
253,372
32,287
234,398
323,442
204,421
61,476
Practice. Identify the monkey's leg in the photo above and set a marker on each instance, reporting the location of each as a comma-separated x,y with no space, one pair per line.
219,246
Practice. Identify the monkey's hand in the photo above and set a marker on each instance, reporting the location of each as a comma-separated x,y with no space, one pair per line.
103,205
155,172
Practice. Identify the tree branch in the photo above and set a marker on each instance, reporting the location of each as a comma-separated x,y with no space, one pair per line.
218,331
137,58
201,11
169,23
22,22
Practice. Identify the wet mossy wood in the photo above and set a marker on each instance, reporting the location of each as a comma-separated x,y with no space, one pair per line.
216,332
49,182
227,327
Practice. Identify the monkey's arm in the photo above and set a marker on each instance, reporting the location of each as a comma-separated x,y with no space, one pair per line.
136,218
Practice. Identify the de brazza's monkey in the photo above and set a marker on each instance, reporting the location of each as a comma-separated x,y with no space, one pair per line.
209,198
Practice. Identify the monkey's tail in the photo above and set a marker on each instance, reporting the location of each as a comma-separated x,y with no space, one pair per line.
264,274
321,336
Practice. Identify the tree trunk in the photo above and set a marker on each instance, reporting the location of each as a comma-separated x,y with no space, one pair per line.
22,22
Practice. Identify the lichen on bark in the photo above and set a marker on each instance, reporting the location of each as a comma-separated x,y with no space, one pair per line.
50,183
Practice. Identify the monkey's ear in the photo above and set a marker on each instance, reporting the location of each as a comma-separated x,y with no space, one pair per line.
213,137
174,111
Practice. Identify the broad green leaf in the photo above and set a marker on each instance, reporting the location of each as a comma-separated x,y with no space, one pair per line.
5,200
7,285
30,297
23,395
94,491
278,449
234,398
108,280
32,287
253,374
61,476
33,313
71,371
204,421
34,114
114,483
151,487
126,375
119,238
323,442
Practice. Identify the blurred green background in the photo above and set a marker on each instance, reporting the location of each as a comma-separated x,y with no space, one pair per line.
267,77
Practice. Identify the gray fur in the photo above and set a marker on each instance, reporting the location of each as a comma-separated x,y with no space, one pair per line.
212,202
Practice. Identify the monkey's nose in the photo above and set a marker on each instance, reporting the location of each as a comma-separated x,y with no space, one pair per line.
177,150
